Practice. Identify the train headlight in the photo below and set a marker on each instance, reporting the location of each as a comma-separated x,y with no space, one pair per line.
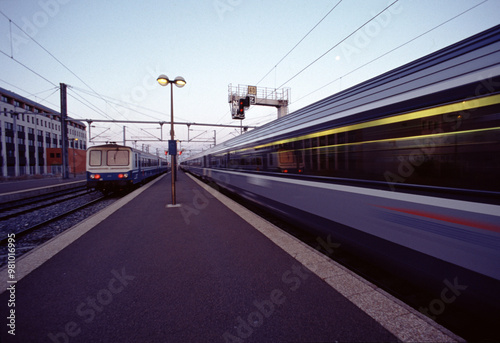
123,176
95,176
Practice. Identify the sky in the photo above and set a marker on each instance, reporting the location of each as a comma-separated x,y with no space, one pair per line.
110,53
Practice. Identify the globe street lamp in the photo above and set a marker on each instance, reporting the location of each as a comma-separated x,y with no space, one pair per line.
172,145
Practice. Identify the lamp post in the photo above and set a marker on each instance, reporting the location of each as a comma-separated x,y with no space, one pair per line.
172,145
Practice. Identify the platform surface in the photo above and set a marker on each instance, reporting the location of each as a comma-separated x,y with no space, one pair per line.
194,273
25,185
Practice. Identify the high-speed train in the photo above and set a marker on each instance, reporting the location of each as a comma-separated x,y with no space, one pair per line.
404,166
113,167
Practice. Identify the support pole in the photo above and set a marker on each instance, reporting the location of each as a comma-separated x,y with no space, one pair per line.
173,157
64,132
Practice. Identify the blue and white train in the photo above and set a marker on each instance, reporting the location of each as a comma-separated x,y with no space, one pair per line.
113,167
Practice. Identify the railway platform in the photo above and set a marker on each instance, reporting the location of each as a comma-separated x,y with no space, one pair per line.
206,271
15,190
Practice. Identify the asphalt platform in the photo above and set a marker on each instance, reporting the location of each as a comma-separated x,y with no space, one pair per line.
27,185
207,271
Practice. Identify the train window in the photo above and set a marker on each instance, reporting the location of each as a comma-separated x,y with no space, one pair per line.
95,158
118,158
286,157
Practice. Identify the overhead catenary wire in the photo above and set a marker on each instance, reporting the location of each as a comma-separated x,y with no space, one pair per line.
25,66
337,44
47,51
300,41
36,95
394,49
127,105
11,44
51,55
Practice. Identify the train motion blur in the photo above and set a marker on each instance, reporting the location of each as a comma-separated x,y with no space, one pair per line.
404,166
112,167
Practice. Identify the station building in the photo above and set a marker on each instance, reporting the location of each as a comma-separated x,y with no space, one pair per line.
31,139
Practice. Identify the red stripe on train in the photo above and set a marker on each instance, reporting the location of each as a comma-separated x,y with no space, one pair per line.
454,220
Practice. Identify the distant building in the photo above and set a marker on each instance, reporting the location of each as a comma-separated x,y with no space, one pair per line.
31,141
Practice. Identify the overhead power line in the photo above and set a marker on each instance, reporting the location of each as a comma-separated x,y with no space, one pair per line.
51,55
300,41
25,66
125,104
394,49
43,48
333,47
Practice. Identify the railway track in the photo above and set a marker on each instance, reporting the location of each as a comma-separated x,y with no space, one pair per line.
44,223
37,220
6,206
17,208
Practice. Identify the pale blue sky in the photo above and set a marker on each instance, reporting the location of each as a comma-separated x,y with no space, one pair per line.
118,48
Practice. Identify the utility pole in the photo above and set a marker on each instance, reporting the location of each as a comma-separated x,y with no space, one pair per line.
64,132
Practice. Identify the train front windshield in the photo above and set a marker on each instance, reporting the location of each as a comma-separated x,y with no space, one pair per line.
109,158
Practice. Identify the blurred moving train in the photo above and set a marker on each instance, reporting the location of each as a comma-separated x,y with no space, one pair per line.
113,167
404,166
